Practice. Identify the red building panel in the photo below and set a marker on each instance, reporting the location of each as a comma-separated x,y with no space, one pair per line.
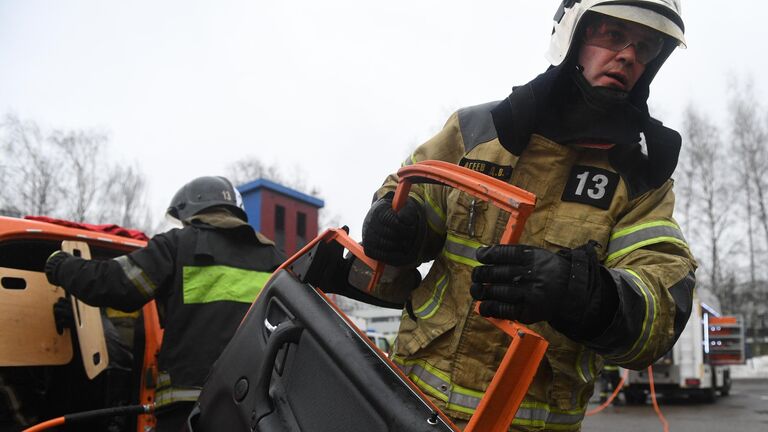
287,234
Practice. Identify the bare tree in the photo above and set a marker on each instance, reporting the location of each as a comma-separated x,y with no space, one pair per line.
123,199
66,174
685,179
251,168
749,135
32,168
82,152
709,188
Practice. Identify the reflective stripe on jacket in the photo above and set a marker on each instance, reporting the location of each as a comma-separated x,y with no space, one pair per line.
452,353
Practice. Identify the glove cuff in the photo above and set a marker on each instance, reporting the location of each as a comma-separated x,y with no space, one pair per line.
582,318
52,266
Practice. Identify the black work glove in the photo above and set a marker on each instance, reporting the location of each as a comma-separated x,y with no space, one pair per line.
394,238
569,289
52,266
63,315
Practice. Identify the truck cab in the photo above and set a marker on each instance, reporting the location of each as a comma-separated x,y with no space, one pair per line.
381,341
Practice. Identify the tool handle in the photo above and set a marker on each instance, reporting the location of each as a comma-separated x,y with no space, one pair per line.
517,202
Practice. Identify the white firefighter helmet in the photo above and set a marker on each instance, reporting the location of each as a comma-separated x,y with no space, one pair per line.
661,15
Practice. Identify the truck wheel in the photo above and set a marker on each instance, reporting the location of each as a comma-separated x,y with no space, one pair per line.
725,390
709,395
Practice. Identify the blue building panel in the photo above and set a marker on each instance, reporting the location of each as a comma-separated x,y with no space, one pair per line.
252,204
252,198
258,184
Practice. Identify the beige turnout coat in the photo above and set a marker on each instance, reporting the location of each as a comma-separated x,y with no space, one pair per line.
452,353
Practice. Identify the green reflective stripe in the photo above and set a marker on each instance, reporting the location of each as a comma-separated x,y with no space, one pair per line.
437,383
417,199
167,394
222,283
435,216
633,238
585,365
634,280
173,394
461,250
540,414
428,309
136,275
163,380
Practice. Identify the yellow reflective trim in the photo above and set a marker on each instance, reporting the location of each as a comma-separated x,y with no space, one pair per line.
549,415
409,161
645,319
467,392
440,374
428,388
460,408
417,199
462,259
440,230
543,423
431,300
434,206
638,245
635,228
466,242
579,368
431,369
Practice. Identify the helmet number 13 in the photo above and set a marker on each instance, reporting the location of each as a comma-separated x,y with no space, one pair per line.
597,187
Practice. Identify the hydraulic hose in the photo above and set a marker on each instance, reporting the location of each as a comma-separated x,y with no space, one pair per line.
656,408
613,395
90,415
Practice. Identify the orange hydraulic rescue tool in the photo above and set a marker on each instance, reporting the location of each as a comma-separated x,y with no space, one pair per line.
513,377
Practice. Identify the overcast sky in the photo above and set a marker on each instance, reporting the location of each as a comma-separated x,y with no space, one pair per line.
339,90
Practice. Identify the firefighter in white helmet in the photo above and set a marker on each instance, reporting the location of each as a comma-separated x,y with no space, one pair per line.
602,270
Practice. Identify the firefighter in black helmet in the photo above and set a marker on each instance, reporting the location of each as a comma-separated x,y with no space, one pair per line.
203,276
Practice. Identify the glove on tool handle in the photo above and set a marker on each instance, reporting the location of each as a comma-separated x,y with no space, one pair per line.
517,202
515,373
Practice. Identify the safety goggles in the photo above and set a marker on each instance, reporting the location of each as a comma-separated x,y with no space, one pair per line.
617,35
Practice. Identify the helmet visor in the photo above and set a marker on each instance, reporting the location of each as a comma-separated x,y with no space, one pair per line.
646,17
616,35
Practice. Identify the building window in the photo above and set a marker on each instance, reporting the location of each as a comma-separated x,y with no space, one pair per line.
280,227
301,229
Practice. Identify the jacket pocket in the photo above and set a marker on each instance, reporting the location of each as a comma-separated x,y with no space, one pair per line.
435,314
466,214
568,232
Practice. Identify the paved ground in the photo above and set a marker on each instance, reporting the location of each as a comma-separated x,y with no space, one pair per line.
745,410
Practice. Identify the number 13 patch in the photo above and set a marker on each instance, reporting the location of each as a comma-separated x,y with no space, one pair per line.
591,185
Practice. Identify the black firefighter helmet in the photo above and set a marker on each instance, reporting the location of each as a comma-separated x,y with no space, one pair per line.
203,193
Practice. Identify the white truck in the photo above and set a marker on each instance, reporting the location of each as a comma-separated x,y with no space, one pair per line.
698,364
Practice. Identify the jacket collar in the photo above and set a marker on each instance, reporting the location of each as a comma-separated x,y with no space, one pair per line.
518,116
